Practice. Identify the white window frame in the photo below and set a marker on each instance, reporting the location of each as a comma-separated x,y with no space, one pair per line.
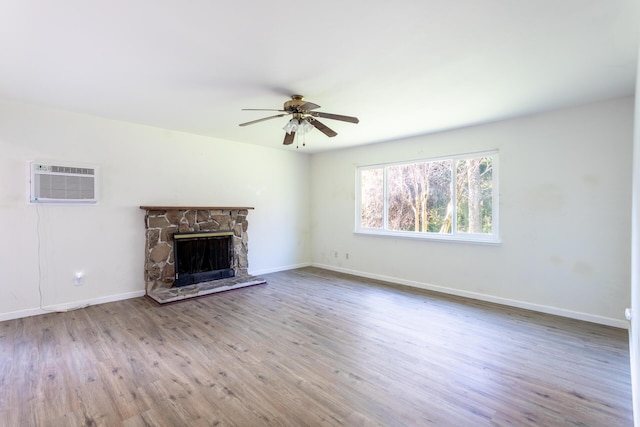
454,236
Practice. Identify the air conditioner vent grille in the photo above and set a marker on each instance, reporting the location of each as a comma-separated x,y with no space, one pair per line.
69,169
63,184
64,187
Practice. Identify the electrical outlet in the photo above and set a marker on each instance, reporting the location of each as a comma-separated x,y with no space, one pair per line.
78,280
346,255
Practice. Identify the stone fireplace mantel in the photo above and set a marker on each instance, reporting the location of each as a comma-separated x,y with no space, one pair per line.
162,222
192,208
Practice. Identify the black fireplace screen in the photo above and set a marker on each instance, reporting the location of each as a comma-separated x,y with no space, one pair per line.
202,256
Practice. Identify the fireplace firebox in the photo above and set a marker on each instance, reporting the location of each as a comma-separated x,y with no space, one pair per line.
202,256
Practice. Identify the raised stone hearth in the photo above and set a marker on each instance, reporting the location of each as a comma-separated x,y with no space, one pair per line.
173,294
162,222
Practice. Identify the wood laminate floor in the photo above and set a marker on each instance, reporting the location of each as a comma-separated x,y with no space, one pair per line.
312,348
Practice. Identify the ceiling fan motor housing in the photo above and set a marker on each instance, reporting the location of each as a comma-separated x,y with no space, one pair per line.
296,101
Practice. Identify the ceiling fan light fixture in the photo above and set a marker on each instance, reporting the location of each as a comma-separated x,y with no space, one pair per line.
299,126
304,126
291,126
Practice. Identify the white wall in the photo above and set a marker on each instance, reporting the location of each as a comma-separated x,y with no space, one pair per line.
138,165
565,185
634,341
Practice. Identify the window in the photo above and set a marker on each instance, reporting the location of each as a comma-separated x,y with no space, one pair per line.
453,198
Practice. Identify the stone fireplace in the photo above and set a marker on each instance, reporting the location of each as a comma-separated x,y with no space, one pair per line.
164,225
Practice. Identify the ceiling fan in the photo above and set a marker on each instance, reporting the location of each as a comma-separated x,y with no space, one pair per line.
303,118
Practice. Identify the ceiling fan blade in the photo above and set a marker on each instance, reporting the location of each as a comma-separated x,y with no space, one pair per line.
307,106
323,128
288,138
263,119
262,109
334,117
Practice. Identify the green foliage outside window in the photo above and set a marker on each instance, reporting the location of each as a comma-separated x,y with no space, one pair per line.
444,196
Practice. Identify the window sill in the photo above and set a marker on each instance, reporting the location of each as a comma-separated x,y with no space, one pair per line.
458,238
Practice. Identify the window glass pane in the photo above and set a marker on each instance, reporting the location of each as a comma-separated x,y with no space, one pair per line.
439,203
400,198
371,198
419,194
419,199
474,195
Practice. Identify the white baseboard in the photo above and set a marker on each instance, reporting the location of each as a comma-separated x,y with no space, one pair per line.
284,268
111,298
69,306
618,323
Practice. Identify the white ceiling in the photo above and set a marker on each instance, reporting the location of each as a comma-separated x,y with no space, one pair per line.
404,68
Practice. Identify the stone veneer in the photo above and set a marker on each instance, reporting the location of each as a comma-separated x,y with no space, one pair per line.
162,222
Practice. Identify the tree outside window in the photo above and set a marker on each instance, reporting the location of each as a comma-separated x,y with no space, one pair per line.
444,197
372,197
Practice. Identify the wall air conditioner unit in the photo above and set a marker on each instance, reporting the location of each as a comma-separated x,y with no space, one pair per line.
62,184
